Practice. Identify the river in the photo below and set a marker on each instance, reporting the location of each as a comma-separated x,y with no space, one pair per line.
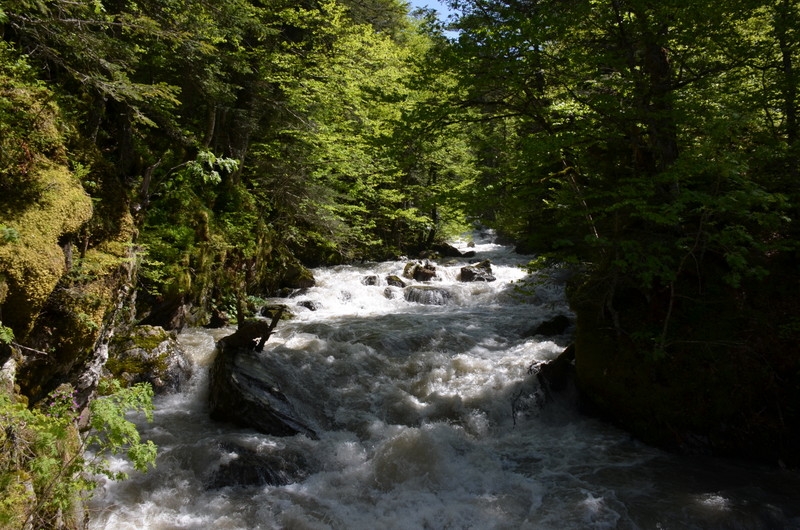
428,418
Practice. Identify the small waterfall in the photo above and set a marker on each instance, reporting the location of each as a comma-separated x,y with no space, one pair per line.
427,417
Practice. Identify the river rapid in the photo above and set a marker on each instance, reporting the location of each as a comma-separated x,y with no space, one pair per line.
428,418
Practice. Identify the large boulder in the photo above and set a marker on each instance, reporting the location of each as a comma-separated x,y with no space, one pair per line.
421,272
427,294
150,354
242,389
448,251
480,272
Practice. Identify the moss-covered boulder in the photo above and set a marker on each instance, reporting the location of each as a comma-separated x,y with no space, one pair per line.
149,354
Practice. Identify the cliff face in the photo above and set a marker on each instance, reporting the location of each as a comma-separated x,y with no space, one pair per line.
63,254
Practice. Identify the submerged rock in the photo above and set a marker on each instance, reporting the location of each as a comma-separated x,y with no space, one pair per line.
243,466
370,280
428,295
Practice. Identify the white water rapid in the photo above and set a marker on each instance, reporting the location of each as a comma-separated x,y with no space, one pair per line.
427,418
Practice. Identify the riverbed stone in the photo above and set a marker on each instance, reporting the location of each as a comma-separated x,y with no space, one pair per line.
243,391
421,272
427,294
395,281
480,272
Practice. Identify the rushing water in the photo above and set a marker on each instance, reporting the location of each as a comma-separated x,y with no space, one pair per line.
427,417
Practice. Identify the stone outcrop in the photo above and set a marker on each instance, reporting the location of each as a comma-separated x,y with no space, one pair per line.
242,389
395,281
552,327
480,272
421,272
149,354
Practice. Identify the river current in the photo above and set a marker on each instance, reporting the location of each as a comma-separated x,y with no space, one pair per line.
428,418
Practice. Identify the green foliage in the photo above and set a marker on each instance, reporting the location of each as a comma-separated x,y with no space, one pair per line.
112,433
43,467
6,334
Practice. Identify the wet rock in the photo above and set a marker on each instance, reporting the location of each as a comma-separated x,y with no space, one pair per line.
480,272
389,293
428,295
370,280
551,328
421,272
448,251
555,375
149,354
218,319
243,391
395,281
311,305
269,311
243,466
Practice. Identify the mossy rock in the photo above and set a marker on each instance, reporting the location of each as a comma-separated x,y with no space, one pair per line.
34,264
149,354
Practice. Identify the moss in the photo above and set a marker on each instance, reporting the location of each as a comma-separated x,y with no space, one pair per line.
35,263
136,366
18,497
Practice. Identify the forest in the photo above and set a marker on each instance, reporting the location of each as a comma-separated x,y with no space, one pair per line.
205,154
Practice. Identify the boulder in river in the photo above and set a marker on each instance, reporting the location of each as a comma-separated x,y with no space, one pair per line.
480,272
242,389
421,272
395,281
428,295
553,327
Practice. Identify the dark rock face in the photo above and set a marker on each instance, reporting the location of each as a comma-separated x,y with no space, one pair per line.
555,375
149,354
248,467
428,295
480,272
218,319
243,391
720,389
448,251
551,328
169,314
421,272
